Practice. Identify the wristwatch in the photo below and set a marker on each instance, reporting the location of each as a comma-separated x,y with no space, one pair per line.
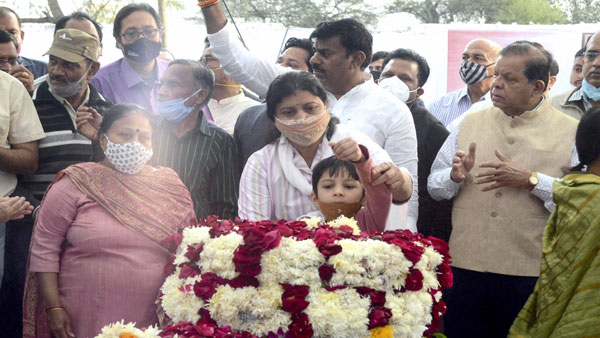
533,179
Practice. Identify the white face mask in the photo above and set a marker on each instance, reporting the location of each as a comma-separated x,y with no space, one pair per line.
128,158
396,87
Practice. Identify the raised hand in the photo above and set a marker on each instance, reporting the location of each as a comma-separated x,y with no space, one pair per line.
88,122
463,163
347,150
24,75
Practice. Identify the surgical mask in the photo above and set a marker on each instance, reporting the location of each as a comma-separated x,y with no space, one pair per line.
332,211
471,72
175,110
376,74
592,93
142,50
128,158
396,87
306,131
69,90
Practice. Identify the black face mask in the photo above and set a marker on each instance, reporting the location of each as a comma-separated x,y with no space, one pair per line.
376,75
143,50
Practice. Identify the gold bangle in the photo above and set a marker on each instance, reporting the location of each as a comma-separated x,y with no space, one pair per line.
54,308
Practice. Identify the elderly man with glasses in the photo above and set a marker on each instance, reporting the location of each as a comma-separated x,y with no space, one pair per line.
577,101
135,78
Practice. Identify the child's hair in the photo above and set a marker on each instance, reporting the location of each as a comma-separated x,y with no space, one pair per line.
336,167
587,139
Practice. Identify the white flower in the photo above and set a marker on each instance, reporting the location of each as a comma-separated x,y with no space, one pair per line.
343,220
411,312
341,313
257,310
181,305
371,263
114,330
292,262
191,236
217,255
312,222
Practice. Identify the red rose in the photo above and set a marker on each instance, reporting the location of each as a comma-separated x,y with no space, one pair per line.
172,242
377,297
270,240
329,250
445,275
300,327
326,272
414,280
293,296
379,317
324,236
207,287
247,260
242,281
193,252
284,230
188,271
411,251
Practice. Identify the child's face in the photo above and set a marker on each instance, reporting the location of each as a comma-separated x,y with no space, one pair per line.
341,188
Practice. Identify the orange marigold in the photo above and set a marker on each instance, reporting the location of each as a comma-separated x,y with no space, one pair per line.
127,335
382,332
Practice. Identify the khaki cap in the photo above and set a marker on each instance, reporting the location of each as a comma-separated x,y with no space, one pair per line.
73,45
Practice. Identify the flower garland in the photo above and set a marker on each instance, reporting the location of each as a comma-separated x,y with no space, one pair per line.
297,279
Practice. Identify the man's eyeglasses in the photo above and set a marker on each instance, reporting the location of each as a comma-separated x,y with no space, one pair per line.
149,33
12,62
591,55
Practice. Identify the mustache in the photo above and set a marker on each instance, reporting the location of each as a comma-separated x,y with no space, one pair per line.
318,68
58,78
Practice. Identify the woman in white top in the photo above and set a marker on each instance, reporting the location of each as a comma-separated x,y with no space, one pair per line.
276,181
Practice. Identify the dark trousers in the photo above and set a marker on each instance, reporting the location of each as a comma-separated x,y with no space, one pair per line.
484,304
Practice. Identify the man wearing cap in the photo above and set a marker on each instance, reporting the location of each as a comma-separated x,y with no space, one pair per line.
72,64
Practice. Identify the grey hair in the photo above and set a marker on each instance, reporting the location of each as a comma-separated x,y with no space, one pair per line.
204,78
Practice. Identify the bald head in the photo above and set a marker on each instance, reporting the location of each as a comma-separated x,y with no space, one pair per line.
488,48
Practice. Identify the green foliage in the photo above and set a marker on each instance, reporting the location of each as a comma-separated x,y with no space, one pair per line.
484,11
302,13
580,11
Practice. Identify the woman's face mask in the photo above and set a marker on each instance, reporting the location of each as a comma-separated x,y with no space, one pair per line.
128,158
304,131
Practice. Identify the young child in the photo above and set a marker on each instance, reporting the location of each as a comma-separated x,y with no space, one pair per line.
342,185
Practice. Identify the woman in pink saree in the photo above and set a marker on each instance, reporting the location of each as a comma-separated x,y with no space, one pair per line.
96,255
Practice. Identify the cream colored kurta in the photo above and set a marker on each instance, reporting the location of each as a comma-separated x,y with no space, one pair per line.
500,231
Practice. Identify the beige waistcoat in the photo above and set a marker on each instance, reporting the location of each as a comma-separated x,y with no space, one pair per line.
500,231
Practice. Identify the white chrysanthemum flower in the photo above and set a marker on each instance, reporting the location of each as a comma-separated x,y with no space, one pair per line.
292,262
217,255
180,305
116,329
343,220
371,263
256,310
341,313
411,312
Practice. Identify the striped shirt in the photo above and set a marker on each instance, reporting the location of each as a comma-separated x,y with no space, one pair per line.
63,145
452,105
205,158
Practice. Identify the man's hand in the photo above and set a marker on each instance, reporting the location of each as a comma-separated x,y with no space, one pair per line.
24,75
463,163
14,208
347,150
88,122
504,173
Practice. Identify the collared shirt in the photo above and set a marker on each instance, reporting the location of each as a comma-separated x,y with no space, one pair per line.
225,112
580,95
205,158
36,67
119,83
72,111
452,105
19,123
441,186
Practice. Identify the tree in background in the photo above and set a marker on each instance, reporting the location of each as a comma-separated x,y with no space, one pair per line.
302,13
482,11
580,11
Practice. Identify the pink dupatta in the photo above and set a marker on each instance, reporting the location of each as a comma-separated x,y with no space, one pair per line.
154,205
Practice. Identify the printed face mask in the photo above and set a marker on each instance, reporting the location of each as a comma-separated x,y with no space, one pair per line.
331,211
69,90
471,72
128,158
175,110
306,131
143,50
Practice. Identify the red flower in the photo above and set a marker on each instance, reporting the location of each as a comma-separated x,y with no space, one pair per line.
326,271
377,297
379,317
270,240
324,236
337,287
188,271
293,296
300,327
247,260
207,287
410,250
445,275
172,242
169,267
242,281
193,252
414,280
